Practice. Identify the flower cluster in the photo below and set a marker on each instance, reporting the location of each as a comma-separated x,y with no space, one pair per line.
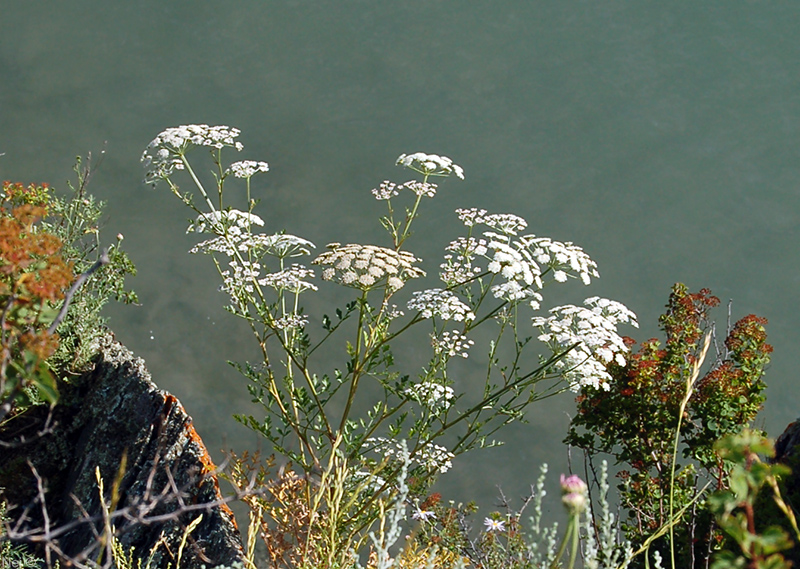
507,223
291,321
239,281
562,258
247,168
283,245
364,266
522,261
512,260
452,344
218,221
165,152
457,267
290,279
430,164
425,189
442,303
280,245
392,312
436,457
513,291
387,190
593,332
433,395
431,456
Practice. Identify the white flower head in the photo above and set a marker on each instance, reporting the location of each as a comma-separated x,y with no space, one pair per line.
494,525
165,152
432,395
281,245
564,259
458,267
512,260
452,344
430,164
421,188
612,310
442,303
291,321
593,333
239,281
422,515
291,279
431,456
218,222
513,291
247,168
367,266
471,216
507,223
386,191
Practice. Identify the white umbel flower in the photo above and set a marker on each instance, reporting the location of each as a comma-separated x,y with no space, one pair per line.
594,329
431,456
247,168
434,396
218,221
430,164
452,344
366,266
442,303
164,153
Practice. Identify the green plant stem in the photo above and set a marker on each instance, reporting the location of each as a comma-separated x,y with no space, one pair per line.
410,218
690,381
197,182
357,363
562,546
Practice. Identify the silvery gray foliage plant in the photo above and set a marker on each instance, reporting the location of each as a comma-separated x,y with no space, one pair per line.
493,276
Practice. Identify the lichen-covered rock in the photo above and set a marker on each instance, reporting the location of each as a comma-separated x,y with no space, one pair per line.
114,418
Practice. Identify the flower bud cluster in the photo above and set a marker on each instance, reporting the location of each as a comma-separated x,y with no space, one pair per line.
291,321
574,494
387,190
442,303
364,266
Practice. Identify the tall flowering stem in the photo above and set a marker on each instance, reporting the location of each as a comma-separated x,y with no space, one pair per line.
574,497
494,276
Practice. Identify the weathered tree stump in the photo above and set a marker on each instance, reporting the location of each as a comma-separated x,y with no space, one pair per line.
114,418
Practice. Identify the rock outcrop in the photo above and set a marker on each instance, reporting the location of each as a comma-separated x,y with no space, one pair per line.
114,418
787,451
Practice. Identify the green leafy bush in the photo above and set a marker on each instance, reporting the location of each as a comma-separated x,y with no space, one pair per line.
650,406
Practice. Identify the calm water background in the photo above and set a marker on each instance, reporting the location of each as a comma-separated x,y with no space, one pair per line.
662,137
